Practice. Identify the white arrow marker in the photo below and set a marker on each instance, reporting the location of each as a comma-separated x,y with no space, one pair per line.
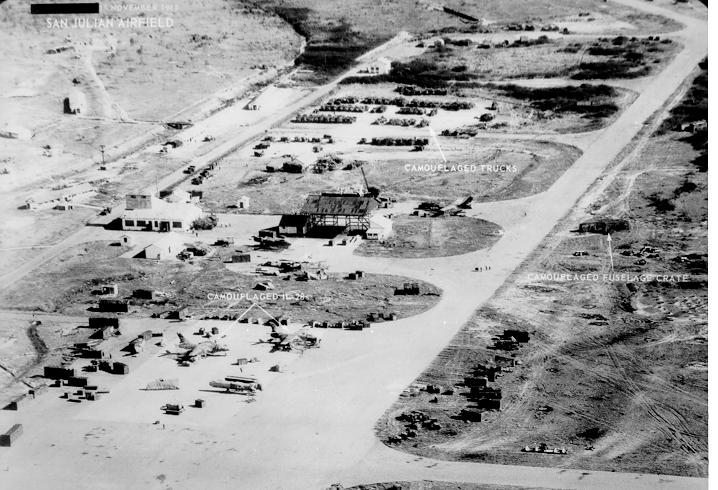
436,140
610,250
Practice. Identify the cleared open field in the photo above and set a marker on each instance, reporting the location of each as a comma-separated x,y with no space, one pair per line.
24,229
203,56
497,170
69,285
489,169
615,371
414,237
24,346
426,485
126,74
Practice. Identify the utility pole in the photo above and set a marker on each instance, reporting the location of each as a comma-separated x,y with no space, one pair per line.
102,152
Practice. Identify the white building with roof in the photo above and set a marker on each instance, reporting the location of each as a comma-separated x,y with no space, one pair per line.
145,212
379,227
381,66
166,247
75,103
181,195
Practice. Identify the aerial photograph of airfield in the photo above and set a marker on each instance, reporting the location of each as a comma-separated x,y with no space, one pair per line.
372,245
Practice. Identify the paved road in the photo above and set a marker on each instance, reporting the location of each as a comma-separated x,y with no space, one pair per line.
315,426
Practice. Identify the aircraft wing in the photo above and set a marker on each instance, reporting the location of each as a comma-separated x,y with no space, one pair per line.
200,350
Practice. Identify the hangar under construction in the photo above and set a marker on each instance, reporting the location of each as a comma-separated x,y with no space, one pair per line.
348,211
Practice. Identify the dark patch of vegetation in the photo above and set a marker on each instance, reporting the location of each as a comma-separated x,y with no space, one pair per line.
331,48
38,344
418,72
701,161
661,204
204,223
458,42
685,188
297,17
625,58
692,109
592,433
606,70
594,101
330,59
693,106
336,50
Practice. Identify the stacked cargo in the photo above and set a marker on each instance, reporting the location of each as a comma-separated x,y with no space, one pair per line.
8,438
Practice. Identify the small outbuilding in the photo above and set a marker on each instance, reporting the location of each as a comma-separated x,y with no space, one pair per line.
243,202
379,228
75,103
294,224
165,248
382,66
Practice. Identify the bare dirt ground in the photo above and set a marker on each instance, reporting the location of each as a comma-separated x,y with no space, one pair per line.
48,228
31,340
113,68
504,169
132,80
69,285
301,424
603,355
414,236
693,8
496,171
425,485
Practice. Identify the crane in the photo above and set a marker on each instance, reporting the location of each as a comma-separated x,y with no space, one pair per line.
372,191
442,8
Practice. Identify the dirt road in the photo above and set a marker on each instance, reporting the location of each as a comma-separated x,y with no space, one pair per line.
218,152
315,426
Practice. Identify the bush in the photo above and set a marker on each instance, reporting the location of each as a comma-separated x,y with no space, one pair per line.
204,223
660,204
589,100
